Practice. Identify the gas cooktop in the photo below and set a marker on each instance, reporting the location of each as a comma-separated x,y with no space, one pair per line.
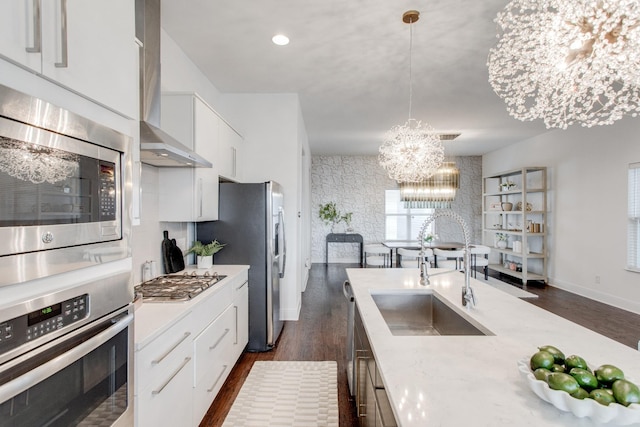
177,287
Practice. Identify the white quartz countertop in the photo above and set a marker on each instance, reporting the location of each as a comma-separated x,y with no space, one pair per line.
474,380
153,318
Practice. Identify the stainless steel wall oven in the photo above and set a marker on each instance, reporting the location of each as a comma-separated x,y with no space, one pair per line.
66,357
63,181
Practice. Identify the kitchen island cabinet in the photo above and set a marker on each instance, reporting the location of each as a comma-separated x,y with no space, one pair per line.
473,380
185,350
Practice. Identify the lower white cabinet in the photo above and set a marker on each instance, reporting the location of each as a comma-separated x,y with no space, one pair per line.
180,372
241,312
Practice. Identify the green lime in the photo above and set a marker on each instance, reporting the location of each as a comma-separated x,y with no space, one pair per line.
574,361
601,396
541,359
541,374
586,379
607,374
625,392
557,368
558,356
562,381
580,393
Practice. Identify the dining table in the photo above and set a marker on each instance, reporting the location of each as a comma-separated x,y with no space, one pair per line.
394,245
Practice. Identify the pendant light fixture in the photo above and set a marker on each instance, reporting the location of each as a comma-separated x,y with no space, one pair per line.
568,61
411,152
435,192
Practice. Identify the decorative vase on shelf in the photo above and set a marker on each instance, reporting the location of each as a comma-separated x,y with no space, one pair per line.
205,262
501,244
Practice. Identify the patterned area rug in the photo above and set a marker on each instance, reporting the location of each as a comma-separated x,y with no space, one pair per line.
506,287
280,393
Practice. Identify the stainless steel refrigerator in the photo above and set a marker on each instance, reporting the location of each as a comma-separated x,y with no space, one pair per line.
251,225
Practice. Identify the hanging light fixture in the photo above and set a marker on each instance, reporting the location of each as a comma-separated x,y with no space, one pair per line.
436,192
411,152
568,61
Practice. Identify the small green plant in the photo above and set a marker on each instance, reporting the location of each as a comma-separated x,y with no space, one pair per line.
506,186
430,238
201,249
330,214
501,237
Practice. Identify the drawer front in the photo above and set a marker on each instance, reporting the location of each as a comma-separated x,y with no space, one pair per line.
164,354
213,361
212,306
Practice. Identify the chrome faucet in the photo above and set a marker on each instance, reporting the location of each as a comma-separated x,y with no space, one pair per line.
467,292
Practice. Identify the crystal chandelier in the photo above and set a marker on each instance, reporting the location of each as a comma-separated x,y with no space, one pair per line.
411,152
568,61
34,163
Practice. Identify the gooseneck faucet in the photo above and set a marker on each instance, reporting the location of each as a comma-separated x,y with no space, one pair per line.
467,292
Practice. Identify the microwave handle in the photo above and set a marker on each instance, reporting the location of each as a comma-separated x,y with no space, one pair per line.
44,371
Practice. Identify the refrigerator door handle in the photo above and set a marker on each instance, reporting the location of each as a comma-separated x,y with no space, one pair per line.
284,241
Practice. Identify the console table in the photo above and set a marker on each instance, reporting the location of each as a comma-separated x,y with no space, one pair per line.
344,238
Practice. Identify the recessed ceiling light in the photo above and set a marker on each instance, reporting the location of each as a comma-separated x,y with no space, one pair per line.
280,39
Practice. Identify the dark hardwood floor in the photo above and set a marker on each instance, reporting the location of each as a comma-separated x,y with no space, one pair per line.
320,334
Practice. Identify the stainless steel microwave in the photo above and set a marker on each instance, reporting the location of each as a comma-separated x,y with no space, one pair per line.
64,183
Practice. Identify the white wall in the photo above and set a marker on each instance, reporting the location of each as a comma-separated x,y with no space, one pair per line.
587,174
275,138
357,184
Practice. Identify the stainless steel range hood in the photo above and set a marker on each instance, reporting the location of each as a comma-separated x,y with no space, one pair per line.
157,147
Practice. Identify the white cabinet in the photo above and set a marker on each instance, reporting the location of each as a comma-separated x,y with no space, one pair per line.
88,47
179,372
515,208
214,360
230,153
163,370
241,312
190,194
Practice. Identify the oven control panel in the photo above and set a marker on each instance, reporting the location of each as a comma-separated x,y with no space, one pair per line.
46,320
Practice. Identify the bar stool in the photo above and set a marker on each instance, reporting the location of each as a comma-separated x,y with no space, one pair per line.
410,258
376,255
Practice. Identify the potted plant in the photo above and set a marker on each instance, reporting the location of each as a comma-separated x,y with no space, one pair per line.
429,238
501,240
204,253
330,214
508,185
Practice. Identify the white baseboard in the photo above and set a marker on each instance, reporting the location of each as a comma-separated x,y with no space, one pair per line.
596,295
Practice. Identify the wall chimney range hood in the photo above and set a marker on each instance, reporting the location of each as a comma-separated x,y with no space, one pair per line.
157,147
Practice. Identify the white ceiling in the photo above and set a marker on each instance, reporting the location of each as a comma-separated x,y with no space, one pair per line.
349,63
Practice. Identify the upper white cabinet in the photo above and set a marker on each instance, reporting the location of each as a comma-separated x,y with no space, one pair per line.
230,153
190,194
86,46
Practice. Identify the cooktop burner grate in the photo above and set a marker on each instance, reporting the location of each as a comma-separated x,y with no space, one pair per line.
177,287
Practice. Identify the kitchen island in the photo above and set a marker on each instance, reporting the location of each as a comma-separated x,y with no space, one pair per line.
473,380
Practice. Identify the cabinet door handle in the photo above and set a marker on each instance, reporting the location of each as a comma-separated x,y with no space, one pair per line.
37,29
226,331
235,308
166,383
168,352
200,197
241,286
224,368
233,161
64,62
359,405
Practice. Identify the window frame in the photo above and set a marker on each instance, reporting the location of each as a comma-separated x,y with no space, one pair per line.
408,213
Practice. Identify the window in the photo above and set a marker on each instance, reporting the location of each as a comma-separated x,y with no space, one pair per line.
403,223
633,233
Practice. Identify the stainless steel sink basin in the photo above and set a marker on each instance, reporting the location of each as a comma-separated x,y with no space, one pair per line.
422,314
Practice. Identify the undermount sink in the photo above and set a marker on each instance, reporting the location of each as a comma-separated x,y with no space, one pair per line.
422,314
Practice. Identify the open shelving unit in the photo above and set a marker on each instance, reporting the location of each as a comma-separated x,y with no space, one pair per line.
525,223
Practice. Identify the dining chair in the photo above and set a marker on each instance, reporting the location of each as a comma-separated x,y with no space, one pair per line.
450,259
480,258
376,255
410,258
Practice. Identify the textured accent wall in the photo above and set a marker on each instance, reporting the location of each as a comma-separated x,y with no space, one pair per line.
357,184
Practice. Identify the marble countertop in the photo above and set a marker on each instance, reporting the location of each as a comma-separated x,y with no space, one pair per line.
151,319
474,380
